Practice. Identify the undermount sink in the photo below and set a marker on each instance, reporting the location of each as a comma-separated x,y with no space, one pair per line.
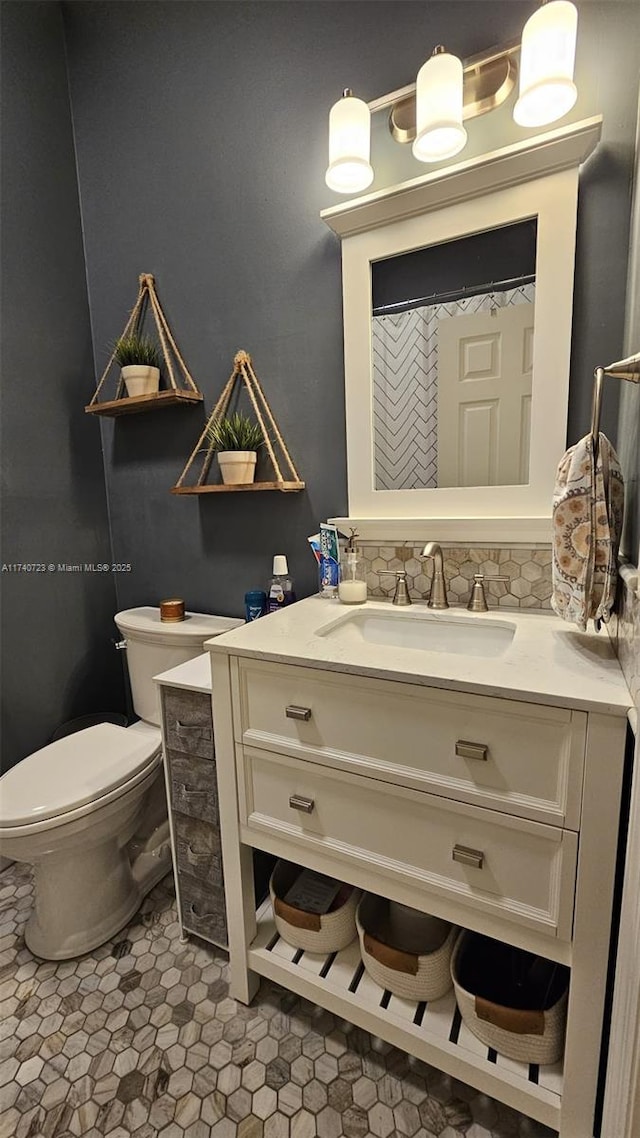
428,632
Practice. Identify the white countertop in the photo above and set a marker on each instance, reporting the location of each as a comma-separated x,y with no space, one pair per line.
547,660
194,674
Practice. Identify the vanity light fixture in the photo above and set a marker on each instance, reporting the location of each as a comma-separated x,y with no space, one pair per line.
349,169
547,90
430,113
439,130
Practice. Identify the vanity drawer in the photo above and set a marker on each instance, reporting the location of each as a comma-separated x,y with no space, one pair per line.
188,722
198,850
516,757
520,870
202,907
194,788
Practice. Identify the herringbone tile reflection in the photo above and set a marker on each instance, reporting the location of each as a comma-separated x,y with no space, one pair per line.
404,348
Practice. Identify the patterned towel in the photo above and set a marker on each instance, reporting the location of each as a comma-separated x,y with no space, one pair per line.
587,523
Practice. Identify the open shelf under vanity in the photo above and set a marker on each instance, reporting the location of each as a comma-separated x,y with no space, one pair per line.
433,1032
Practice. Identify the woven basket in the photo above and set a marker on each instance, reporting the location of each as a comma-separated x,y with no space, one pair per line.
419,971
535,1036
314,932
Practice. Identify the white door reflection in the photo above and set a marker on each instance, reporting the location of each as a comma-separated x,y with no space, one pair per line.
472,429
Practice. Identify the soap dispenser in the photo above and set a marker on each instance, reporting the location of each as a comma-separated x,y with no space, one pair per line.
352,589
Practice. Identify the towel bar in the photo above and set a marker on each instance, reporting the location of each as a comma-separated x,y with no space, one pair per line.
628,369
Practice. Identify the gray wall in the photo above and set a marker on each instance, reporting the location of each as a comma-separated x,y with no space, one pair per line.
56,656
609,53
629,420
201,138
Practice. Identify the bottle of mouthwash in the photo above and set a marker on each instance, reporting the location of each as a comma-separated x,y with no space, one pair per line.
280,591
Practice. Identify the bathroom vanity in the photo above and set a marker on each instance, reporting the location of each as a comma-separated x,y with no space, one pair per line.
467,765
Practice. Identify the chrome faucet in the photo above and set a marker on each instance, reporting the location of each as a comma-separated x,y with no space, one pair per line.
438,595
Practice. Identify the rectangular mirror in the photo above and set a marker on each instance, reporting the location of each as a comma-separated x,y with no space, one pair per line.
456,428
452,333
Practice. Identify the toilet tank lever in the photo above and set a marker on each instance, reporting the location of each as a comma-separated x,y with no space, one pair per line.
119,645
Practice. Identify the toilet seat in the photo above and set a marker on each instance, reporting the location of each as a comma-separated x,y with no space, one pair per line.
75,776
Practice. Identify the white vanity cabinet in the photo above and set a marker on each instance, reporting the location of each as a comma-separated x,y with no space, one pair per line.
400,781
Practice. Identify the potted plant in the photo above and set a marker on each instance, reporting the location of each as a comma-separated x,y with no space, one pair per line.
139,360
236,441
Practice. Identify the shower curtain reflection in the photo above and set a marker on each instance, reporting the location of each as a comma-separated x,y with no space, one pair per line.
405,353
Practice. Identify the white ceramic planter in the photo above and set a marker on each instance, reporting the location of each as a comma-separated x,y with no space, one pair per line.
238,467
141,379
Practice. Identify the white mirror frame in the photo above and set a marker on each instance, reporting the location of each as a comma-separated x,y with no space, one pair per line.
480,513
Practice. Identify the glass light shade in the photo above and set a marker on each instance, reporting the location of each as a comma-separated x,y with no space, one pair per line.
439,130
349,146
547,90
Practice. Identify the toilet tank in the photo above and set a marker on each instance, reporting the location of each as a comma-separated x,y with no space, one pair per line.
153,646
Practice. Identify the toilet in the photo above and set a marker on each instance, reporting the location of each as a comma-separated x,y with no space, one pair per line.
89,811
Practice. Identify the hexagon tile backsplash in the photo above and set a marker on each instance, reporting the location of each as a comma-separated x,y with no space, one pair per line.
527,567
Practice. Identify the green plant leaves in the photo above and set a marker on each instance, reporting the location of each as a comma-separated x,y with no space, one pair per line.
135,349
235,433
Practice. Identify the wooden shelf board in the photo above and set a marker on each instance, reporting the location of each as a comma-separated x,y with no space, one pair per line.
218,488
439,1038
130,405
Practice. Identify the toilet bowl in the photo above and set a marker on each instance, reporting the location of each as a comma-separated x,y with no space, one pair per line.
70,810
89,811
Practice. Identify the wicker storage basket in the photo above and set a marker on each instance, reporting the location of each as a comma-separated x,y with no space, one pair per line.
530,1035
314,932
404,951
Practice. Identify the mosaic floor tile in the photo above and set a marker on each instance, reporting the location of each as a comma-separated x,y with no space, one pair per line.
140,1039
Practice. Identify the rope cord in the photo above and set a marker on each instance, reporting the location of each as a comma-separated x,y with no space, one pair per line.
243,370
147,296
274,425
216,413
246,375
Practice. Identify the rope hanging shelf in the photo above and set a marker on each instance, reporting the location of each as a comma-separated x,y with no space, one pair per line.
276,449
128,405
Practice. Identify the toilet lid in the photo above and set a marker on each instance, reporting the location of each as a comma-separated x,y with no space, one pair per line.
73,771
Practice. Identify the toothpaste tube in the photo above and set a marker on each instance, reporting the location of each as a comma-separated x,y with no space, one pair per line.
329,564
314,542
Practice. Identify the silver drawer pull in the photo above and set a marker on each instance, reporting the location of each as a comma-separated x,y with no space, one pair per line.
196,856
293,712
297,802
192,729
200,916
467,856
466,750
189,792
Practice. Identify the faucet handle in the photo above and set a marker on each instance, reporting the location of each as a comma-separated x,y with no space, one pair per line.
401,595
478,598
